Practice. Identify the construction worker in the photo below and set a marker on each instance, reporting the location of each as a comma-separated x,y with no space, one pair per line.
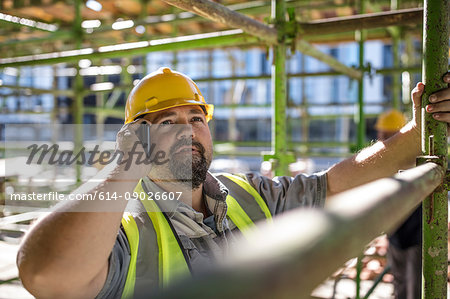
71,253
389,123
405,244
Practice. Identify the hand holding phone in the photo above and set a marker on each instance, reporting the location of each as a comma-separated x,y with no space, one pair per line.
143,133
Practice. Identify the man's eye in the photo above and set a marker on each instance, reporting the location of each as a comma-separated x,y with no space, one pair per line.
165,123
197,118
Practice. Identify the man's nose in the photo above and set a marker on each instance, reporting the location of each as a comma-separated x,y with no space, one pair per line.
184,131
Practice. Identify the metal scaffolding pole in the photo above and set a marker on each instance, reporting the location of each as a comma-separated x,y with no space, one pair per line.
305,119
327,26
36,91
308,49
126,88
396,83
361,123
279,155
100,99
222,14
360,120
248,8
207,40
218,39
314,243
434,143
77,104
362,21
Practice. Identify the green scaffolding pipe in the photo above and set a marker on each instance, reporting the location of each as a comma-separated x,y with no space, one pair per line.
319,144
308,49
194,41
326,26
435,213
410,16
379,33
250,77
106,112
279,83
239,152
398,70
70,93
304,116
57,35
77,104
251,8
222,14
396,83
314,243
207,40
361,130
32,90
219,13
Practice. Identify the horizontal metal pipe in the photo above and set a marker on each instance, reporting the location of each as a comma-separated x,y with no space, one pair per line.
293,75
308,49
411,16
228,78
33,90
291,143
291,256
219,13
109,112
308,30
248,8
308,154
57,35
343,23
207,40
394,70
6,51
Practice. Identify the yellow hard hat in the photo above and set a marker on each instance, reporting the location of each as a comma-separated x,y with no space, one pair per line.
392,120
161,90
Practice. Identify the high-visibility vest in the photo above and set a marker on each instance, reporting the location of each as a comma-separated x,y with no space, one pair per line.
156,255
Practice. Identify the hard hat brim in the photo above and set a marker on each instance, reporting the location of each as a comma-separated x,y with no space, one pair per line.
209,109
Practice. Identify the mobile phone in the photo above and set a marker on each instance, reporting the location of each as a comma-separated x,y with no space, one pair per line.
143,133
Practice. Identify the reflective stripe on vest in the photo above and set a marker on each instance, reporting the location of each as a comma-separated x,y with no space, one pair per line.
171,261
132,233
249,189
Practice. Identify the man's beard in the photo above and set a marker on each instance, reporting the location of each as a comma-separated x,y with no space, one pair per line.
189,170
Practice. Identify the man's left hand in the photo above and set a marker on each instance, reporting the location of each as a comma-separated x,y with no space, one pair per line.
440,103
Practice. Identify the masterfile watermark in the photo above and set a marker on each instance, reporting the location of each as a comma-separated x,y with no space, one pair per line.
52,165
53,156
102,196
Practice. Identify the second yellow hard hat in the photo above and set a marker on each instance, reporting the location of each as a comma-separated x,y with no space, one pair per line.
392,120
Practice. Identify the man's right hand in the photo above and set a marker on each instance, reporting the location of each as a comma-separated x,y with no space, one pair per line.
131,156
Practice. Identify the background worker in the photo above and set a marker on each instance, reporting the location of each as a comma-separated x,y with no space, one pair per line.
405,244
71,254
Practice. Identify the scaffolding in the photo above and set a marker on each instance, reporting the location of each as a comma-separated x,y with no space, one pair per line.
282,33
